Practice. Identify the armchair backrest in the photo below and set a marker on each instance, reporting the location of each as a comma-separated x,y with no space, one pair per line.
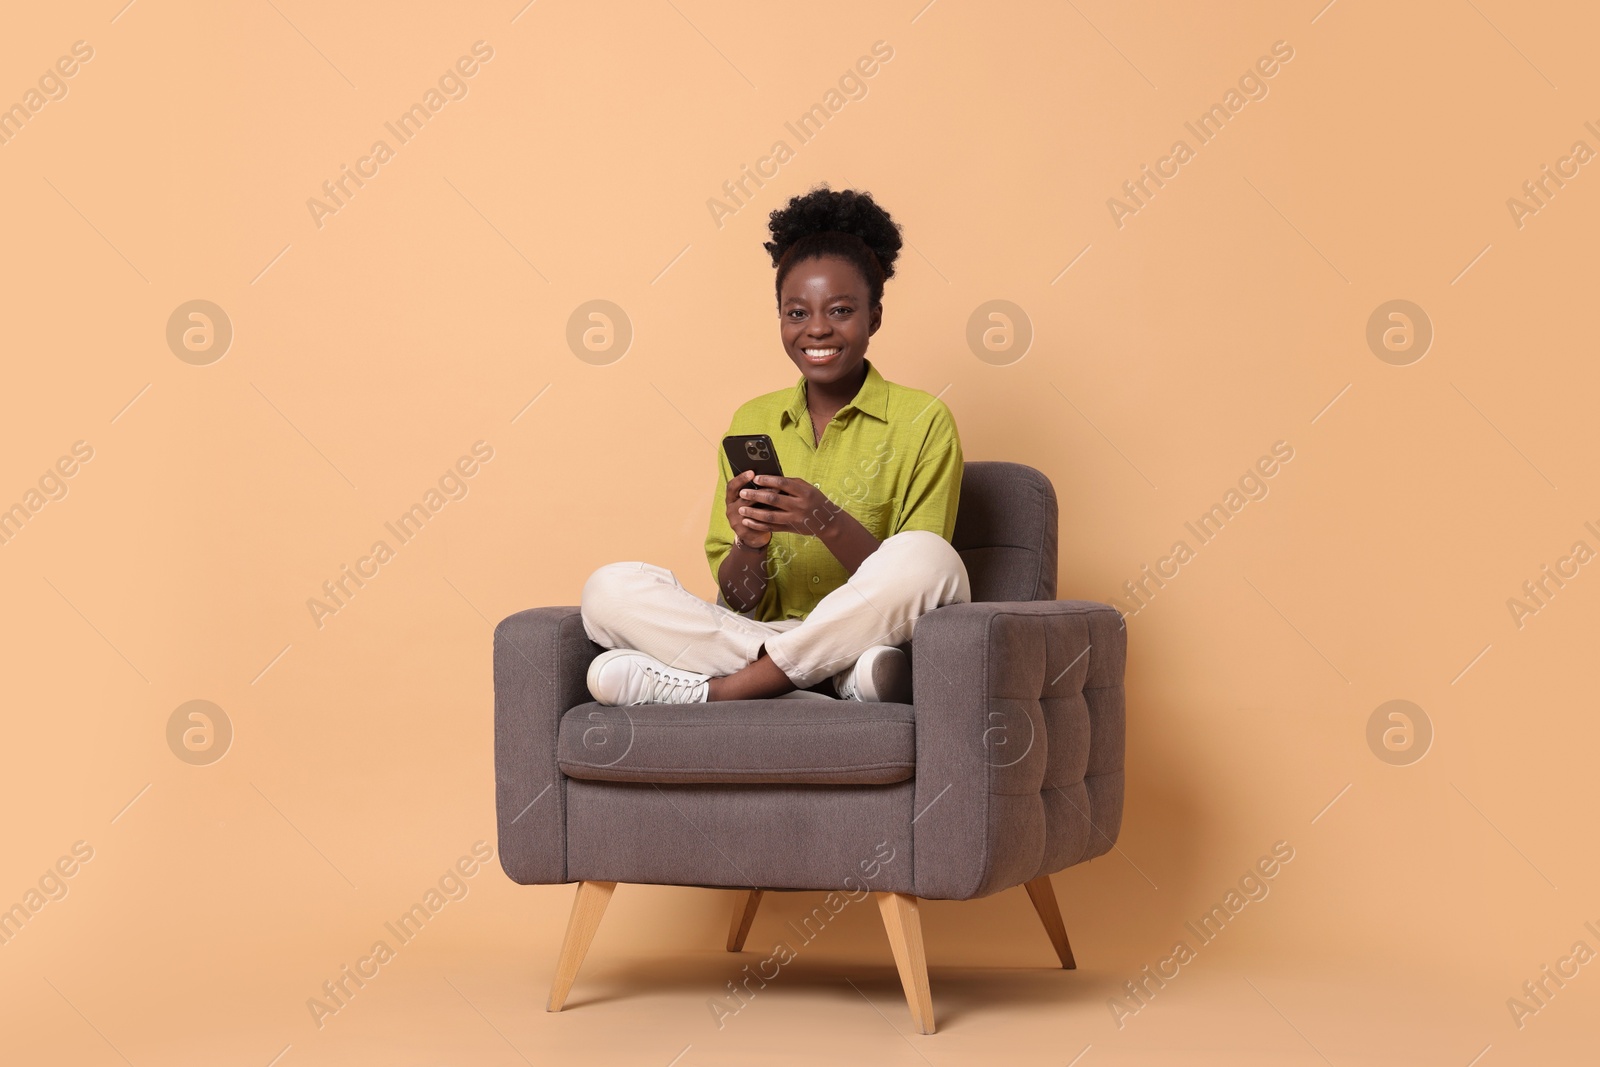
1006,532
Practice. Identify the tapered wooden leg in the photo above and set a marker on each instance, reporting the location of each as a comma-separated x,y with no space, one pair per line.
903,922
1043,896
744,913
587,908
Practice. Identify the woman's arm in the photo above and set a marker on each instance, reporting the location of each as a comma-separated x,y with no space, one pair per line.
799,507
849,541
743,577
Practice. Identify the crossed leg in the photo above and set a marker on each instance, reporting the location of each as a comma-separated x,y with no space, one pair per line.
644,607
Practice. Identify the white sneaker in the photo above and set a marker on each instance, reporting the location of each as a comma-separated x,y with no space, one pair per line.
881,674
625,676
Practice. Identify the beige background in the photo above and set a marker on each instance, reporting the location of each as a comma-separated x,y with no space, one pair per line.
1228,313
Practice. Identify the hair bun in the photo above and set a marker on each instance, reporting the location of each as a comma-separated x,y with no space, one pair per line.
802,229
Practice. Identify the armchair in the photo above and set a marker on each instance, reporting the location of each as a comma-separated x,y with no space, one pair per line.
1007,766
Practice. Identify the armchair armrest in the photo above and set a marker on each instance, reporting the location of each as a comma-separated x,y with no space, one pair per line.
1020,742
540,659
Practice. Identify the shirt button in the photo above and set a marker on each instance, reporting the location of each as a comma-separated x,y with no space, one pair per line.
816,579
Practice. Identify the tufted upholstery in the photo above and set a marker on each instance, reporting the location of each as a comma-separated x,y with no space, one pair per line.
1008,766
1019,742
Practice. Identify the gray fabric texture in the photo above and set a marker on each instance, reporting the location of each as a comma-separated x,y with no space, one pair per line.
540,658
1017,735
1019,715
1006,532
820,742
779,837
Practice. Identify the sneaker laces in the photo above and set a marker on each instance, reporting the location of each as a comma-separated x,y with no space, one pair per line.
668,686
844,683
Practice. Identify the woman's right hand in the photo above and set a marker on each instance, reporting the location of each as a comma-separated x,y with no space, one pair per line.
752,532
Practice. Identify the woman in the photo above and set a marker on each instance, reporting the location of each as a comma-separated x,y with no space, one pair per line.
854,543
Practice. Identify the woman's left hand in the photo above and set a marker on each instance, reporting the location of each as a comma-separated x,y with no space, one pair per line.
797,506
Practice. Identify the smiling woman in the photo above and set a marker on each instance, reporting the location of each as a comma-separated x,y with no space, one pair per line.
825,569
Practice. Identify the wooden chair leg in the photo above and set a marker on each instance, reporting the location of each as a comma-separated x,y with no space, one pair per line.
587,908
903,923
1043,895
744,913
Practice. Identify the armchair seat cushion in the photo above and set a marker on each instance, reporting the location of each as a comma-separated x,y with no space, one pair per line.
814,742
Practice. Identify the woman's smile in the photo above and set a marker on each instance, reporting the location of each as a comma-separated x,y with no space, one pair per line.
827,320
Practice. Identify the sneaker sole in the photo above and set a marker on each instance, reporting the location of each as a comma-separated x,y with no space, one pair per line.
591,678
890,679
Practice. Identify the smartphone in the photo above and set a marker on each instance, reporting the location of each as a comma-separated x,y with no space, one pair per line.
752,452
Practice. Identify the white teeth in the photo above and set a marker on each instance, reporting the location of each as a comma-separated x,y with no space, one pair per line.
821,353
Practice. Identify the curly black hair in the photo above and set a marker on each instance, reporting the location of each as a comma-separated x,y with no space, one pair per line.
844,223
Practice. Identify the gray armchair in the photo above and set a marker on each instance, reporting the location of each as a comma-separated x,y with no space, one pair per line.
1007,766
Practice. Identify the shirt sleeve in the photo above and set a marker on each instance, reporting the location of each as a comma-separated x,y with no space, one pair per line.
719,537
935,489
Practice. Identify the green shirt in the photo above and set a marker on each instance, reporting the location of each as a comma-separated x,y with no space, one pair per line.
890,457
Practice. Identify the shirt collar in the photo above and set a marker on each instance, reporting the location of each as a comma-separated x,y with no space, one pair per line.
871,399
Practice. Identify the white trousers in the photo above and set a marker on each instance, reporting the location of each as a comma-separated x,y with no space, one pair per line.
644,607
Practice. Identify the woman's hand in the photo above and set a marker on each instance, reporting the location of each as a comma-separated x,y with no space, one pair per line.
796,506
753,534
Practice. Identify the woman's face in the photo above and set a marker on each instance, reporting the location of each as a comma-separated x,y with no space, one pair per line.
826,316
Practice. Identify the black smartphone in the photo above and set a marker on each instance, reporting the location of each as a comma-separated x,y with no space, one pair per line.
752,452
